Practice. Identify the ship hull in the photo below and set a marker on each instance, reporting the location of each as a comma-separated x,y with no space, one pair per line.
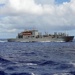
44,39
68,38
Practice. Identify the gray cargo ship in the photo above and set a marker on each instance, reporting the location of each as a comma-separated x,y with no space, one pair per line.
35,36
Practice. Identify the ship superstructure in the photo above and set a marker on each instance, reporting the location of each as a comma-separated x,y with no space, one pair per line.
35,36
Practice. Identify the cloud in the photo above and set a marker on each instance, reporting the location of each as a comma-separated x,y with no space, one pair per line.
45,1
2,1
21,14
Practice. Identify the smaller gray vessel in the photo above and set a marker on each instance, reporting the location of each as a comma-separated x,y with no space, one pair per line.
35,36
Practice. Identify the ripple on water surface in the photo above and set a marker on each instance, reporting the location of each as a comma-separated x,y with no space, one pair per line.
37,58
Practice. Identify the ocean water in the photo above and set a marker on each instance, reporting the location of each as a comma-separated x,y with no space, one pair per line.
38,58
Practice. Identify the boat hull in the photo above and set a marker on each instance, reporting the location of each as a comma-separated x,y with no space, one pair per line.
44,39
68,38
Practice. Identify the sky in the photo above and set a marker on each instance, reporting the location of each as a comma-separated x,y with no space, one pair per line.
44,15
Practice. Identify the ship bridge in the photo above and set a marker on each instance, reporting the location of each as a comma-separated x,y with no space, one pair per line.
28,33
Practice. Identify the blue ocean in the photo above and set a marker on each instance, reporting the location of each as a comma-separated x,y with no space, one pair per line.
38,58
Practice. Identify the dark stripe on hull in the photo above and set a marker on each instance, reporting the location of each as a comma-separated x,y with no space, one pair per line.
68,38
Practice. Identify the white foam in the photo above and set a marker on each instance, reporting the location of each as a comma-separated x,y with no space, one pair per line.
30,64
72,63
62,74
32,74
3,41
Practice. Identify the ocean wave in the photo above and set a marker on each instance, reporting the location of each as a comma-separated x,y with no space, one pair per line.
2,60
20,74
3,73
64,66
72,63
66,73
60,73
37,58
52,63
23,73
41,62
31,64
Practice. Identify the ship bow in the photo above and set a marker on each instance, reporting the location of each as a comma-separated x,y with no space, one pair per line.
68,38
